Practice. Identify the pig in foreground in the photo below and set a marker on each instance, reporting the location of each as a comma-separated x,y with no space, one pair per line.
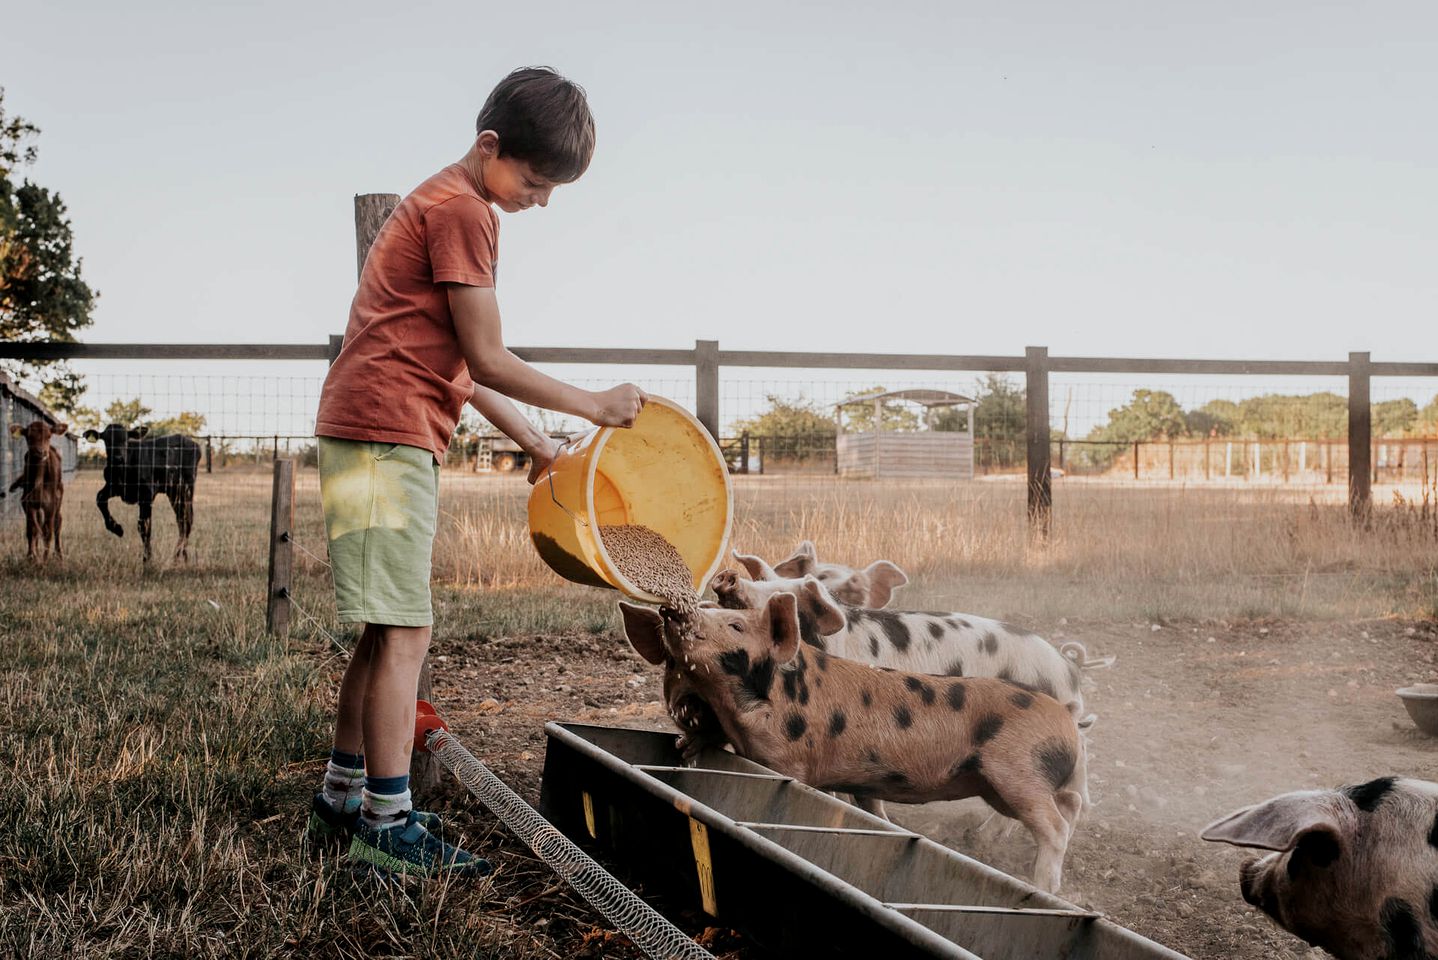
1355,870
872,586
883,734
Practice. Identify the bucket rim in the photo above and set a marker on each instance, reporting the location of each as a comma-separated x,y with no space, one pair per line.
601,438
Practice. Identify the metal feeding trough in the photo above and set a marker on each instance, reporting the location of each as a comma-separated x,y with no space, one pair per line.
796,870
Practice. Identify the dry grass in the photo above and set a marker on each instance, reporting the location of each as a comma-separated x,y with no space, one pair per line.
1116,551
157,750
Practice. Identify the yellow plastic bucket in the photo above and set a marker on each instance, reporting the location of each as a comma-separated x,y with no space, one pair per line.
665,472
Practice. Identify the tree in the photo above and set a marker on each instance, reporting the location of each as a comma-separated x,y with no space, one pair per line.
792,430
1428,417
128,413
786,418
1275,416
1150,415
42,294
1394,418
1216,418
185,422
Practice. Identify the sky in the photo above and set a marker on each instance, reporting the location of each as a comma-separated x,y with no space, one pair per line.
1129,179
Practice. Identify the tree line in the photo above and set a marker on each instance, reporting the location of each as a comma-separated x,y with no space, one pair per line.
803,429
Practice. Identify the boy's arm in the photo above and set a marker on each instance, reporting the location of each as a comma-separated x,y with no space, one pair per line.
496,408
476,322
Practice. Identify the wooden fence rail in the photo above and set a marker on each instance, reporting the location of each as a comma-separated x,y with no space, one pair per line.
708,359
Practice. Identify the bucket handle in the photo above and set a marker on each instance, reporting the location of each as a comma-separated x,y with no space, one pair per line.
549,472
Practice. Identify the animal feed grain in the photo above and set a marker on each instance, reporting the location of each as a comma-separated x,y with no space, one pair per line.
651,563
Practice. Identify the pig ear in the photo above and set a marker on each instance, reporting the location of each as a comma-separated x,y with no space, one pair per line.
1277,824
884,579
644,628
755,567
828,615
801,564
783,612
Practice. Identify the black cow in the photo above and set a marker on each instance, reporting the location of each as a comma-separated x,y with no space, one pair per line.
137,470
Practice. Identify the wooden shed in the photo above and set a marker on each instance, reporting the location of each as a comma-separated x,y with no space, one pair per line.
874,453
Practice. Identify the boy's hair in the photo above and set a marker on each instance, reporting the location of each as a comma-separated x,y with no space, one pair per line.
543,120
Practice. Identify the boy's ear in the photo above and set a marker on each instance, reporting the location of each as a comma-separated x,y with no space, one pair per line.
782,611
801,564
644,628
488,144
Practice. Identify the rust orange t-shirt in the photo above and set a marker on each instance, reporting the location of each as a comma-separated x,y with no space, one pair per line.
400,376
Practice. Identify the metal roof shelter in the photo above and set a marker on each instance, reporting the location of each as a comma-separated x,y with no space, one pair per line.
19,407
878,453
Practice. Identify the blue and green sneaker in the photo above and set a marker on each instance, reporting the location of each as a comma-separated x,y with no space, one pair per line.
328,825
413,849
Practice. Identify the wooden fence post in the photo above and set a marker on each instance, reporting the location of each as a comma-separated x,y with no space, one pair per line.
1036,395
706,385
282,522
371,211
209,457
1360,437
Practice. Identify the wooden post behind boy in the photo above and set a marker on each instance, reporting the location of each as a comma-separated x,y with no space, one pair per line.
424,338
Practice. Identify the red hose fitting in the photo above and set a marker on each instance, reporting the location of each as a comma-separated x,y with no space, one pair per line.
425,720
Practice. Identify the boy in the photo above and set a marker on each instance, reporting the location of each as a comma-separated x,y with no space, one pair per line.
423,339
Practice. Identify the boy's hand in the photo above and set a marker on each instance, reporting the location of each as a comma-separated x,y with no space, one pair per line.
541,455
618,406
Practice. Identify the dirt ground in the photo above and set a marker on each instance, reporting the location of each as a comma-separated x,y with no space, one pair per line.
1195,720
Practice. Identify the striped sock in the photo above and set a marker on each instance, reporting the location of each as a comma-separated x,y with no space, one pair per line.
344,781
386,802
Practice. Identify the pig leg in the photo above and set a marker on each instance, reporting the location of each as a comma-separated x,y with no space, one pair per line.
1078,780
872,805
1043,813
1050,829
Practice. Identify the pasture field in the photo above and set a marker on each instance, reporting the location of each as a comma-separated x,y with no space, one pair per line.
159,750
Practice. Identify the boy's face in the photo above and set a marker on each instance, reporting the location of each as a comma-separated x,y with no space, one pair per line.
510,183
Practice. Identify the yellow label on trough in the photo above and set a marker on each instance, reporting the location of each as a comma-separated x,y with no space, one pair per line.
589,815
699,840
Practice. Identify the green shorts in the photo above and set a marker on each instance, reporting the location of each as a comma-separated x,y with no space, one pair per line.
381,503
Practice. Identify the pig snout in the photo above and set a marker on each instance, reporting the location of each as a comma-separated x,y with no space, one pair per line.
1248,881
1256,884
725,585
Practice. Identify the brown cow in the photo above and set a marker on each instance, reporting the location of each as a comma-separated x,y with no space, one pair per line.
44,488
